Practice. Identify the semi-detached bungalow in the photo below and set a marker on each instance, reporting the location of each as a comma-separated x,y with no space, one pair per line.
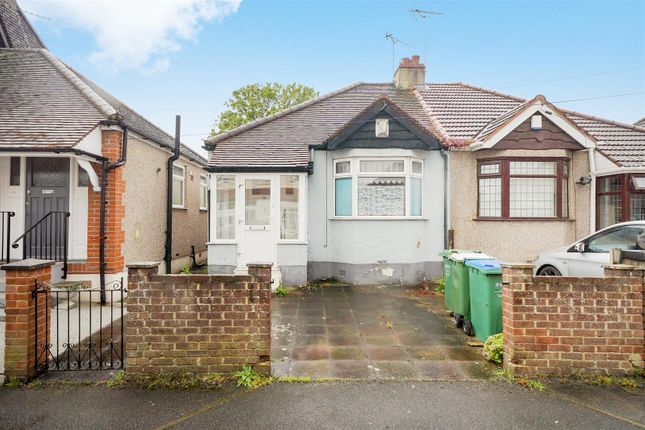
83,177
369,183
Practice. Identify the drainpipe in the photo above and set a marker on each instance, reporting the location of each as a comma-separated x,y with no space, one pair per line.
171,161
105,168
592,190
446,190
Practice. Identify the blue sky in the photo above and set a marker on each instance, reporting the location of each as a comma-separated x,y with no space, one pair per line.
509,46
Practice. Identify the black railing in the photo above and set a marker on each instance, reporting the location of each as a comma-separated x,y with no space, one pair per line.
80,333
5,235
47,239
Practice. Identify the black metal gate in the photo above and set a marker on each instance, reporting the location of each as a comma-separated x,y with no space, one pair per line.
80,332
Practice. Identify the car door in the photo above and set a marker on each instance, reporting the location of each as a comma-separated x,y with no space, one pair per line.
589,262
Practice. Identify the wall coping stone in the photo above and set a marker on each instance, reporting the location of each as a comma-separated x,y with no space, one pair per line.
624,267
259,265
27,265
144,265
517,265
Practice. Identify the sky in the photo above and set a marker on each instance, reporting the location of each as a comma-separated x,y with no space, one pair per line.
168,57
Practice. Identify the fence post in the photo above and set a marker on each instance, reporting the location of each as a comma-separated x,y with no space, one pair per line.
22,326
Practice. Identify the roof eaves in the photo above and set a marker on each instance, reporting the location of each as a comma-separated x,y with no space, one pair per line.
211,141
104,107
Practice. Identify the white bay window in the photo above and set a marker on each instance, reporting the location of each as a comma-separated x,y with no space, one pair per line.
225,207
378,187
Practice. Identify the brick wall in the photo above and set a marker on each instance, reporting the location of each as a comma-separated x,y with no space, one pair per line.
21,327
198,323
561,325
115,212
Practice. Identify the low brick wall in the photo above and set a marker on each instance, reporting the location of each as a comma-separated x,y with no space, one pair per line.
562,325
198,323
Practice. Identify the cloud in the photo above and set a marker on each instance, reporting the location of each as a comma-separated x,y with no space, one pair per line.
139,35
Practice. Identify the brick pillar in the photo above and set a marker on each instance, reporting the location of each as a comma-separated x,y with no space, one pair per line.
517,280
115,212
135,302
261,299
632,284
22,329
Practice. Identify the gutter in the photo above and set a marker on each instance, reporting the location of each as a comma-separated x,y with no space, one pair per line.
169,167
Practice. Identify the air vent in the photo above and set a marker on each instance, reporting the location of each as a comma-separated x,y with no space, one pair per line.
536,122
382,127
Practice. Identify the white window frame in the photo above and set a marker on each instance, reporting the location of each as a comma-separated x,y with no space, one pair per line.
355,174
182,179
203,192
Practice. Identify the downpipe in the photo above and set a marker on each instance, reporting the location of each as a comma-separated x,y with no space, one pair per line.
169,170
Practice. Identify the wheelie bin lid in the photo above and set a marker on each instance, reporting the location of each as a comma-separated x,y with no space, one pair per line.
488,267
449,252
469,255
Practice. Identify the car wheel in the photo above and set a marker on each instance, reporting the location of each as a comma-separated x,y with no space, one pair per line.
549,271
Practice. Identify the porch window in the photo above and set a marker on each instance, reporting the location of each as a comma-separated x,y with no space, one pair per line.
257,200
289,196
620,198
14,171
203,192
383,187
178,186
225,207
523,188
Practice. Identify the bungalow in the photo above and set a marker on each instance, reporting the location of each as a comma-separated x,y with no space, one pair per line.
83,177
369,183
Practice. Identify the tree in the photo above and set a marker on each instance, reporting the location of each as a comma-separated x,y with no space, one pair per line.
259,100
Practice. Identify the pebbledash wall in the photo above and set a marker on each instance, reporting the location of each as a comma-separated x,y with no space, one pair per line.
562,325
198,323
375,250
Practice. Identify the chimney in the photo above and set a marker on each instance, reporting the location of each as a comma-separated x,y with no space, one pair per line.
410,73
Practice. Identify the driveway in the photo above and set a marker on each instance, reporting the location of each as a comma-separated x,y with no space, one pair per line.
369,332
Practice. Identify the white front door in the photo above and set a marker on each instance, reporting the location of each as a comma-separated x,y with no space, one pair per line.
257,232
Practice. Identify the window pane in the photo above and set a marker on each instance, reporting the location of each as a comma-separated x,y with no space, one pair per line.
532,168
177,171
14,174
49,172
83,178
289,207
490,197
225,207
638,183
177,192
381,196
417,167
623,238
610,185
381,165
203,192
637,205
532,197
416,197
489,169
257,200
344,197
343,167
565,198
609,210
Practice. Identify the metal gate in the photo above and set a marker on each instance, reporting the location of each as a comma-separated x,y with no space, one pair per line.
82,331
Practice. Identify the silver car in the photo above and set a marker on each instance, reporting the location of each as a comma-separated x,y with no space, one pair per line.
587,256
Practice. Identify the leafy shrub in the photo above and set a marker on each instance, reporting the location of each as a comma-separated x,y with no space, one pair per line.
185,270
494,348
246,377
281,291
440,286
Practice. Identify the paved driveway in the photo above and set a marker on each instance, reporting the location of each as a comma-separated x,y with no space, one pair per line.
371,332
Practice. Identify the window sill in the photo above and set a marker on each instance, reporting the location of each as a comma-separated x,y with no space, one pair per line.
222,242
293,242
181,208
526,219
377,218
203,209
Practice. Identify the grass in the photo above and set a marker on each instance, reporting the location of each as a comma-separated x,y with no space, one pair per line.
173,381
281,291
508,376
628,382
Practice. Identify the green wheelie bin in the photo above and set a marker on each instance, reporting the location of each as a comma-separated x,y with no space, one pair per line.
485,297
460,287
447,274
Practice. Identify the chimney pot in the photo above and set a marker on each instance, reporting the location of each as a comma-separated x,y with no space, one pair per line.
410,73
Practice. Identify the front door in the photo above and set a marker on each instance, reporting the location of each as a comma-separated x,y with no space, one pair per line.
47,191
258,241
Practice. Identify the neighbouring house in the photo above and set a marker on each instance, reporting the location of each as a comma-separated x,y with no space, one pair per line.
369,183
85,176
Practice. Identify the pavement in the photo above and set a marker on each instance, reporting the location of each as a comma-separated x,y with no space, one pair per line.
351,405
370,332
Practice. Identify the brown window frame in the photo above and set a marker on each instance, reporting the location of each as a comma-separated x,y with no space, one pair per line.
625,194
562,174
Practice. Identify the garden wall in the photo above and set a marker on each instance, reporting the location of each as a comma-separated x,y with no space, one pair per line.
198,323
562,325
